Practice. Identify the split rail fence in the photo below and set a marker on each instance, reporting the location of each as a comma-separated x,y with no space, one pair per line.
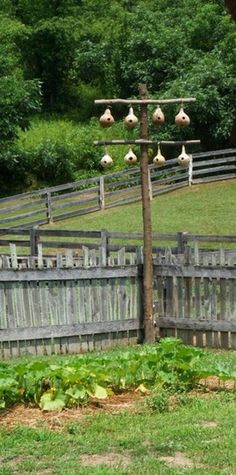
85,196
92,299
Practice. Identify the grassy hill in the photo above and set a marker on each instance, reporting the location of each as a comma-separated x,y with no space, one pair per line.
206,209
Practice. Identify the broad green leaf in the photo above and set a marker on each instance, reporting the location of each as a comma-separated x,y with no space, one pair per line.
76,393
98,392
50,402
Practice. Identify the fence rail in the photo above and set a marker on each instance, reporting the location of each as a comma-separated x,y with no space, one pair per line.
86,196
27,240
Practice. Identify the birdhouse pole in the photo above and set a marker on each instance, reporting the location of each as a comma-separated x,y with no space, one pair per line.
150,330
148,310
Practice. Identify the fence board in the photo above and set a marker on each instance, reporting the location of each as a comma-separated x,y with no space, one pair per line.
54,331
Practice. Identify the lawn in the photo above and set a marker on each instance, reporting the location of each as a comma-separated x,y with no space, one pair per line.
199,438
202,209
175,428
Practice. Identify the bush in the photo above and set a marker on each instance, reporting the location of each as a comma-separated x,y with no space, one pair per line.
14,177
52,163
61,150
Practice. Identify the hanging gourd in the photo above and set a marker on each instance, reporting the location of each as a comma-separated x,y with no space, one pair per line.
159,159
182,119
106,161
131,120
183,159
106,120
158,116
130,158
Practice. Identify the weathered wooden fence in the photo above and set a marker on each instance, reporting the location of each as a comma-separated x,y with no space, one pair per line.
85,196
195,297
69,303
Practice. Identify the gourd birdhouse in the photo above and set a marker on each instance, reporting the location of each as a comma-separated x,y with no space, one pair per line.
131,120
159,159
182,119
106,120
183,159
158,116
106,161
130,158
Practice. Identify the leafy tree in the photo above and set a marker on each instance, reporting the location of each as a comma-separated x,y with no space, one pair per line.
19,98
50,58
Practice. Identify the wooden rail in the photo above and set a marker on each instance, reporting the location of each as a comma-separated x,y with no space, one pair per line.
27,240
86,196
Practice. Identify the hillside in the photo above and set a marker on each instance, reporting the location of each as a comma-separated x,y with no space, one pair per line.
202,209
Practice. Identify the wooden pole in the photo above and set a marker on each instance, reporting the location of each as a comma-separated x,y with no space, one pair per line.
175,143
149,330
179,100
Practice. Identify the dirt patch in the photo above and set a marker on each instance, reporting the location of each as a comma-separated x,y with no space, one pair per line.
213,383
210,424
177,460
111,459
35,418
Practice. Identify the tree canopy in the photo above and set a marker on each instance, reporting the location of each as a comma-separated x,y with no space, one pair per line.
63,54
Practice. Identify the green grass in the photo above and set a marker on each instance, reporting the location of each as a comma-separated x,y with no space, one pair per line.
203,209
141,438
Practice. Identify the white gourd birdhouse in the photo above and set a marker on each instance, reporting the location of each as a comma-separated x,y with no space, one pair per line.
158,116
130,158
107,119
159,159
106,161
131,120
183,159
182,119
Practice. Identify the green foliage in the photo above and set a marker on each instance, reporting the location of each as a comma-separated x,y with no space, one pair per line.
77,51
61,150
19,98
169,366
15,165
18,101
51,163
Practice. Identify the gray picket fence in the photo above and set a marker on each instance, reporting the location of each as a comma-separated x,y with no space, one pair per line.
68,303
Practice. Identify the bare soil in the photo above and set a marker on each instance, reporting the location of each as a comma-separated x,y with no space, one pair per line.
177,460
111,459
55,420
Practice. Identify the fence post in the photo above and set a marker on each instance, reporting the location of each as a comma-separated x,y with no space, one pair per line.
181,242
101,192
49,207
104,247
149,184
34,240
190,171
